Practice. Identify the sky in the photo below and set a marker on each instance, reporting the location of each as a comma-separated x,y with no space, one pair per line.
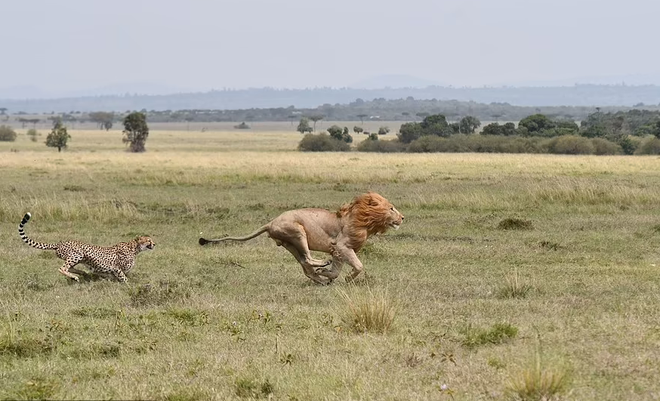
66,46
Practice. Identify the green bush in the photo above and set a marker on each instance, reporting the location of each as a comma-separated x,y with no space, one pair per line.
322,143
7,134
381,146
605,147
650,146
571,145
32,134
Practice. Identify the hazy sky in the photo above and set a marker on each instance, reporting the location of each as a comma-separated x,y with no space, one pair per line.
206,44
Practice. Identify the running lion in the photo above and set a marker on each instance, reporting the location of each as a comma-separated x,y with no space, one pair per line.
340,234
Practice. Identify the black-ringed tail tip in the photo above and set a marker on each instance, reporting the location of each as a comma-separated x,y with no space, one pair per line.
26,218
202,241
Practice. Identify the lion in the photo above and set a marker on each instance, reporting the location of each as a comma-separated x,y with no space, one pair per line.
340,234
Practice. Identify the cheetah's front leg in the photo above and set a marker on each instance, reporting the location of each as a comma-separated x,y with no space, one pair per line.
119,274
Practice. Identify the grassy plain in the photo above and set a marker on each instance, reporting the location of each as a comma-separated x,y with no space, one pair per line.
478,309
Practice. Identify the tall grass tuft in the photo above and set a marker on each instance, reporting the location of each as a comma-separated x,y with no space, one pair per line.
364,310
514,288
537,382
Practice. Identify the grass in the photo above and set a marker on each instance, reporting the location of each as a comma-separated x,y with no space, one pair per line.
209,323
537,381
366,310
514,288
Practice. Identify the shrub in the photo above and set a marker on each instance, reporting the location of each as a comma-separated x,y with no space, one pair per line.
571,145
322,143
479,143
32,133
430,144
383,130
242,125
629,144
650,146
605,147
381,146
7,134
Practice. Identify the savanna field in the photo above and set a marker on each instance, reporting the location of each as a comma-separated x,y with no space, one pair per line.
512,277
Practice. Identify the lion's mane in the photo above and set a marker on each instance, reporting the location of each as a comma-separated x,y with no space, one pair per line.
366,215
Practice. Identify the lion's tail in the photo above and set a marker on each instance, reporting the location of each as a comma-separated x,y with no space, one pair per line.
29,241
203,241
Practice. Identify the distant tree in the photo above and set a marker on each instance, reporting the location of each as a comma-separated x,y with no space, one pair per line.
373,137
135,131
68,118
436,124
469,124
7,134
335,131
315,118
409,132
103,119
303,126
497,129
341,134
656,131
3,111
361,117
536,124
357,129
383,130
58,136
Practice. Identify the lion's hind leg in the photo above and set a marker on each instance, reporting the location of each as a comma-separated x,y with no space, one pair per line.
307,269
294,235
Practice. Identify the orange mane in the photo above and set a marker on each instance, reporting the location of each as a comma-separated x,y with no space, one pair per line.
366,215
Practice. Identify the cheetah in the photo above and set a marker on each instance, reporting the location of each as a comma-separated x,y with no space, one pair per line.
116,260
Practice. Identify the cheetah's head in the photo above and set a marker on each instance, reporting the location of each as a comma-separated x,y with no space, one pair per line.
145,243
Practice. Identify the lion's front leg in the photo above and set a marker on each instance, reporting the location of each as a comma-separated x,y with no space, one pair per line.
348,255
333,271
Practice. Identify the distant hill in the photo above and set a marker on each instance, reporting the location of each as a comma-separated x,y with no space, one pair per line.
394,81
577,95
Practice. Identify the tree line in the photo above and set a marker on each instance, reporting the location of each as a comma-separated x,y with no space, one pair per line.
630,132
406,109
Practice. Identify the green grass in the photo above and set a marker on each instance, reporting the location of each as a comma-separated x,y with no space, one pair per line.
241,321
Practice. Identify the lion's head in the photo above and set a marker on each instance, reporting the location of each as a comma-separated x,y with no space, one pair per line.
370,214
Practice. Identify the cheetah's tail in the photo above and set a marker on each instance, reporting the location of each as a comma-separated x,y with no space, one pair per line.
21,232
